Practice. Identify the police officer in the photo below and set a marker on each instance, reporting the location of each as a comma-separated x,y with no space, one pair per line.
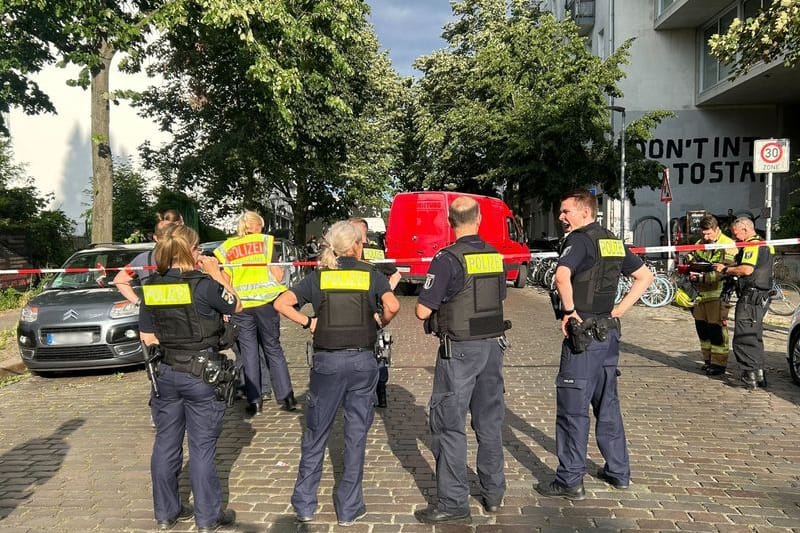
586,278
134,269
258,322
373,252
182,312
754,271
344,293
710,312
462,303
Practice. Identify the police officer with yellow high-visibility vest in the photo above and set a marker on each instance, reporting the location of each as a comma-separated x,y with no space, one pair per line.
181,323
257,287
587,275
344,293
462,303
710,312
753,269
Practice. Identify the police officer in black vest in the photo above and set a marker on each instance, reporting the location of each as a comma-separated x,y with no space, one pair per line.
587,275
754,270
182,321
344,293
462,303
373,252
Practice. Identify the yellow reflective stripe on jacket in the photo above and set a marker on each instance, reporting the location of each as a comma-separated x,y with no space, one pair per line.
710,291
254,285
371,254
611,248
348,280
167,294
491,263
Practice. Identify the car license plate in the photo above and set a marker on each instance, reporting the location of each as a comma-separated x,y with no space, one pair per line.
404,270
67,338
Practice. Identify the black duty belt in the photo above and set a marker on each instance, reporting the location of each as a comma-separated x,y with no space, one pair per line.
364,349
189,360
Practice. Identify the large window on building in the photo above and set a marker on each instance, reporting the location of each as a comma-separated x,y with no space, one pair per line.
711,70
663,5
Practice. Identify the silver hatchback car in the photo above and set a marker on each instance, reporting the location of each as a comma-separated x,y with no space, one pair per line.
81,321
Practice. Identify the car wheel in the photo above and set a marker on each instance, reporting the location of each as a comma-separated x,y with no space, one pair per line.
794,358
522,276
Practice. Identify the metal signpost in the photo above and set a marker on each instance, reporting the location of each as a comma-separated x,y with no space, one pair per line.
770,155
666,197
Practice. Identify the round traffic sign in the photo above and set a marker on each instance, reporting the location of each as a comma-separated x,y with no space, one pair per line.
771,152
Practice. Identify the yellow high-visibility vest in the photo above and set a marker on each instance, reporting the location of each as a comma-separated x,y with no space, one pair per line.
254,285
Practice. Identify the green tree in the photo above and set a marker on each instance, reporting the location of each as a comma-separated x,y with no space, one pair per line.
772,34
517,103
88,34
297,111
23,209
133,207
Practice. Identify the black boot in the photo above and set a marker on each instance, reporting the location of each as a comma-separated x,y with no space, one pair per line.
289,403
381,392
750,379
761,378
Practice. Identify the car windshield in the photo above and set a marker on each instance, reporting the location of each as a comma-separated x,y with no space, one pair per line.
110,259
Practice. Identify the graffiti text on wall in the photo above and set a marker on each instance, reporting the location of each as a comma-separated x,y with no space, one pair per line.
717,159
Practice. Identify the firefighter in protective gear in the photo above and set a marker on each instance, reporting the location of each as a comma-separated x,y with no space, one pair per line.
462,302
183,313
344,293
710,312
259,323
587,274
753,268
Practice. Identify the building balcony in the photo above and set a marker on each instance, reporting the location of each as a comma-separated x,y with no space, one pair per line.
766,83
682,14
582,13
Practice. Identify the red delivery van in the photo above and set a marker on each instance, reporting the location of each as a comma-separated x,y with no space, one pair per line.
418,228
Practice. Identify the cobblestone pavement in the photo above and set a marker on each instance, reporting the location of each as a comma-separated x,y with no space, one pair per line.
706,455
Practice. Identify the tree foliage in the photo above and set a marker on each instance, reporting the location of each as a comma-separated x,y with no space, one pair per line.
297,108
772,34
23,209
518,103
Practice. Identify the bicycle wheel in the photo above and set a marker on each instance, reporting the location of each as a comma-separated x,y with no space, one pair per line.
785,299
657,294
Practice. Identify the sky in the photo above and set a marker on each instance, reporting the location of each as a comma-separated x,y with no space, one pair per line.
409,29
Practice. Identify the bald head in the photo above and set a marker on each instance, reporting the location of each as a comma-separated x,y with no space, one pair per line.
463,212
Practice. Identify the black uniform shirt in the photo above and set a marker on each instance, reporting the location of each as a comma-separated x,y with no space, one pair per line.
308,290
445,276
579,254
209,297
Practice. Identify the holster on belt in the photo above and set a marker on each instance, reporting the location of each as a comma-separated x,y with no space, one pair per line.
581,334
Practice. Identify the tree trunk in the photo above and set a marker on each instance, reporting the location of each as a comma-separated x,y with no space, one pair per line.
102,223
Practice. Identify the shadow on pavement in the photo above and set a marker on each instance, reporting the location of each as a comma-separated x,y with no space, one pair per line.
33,463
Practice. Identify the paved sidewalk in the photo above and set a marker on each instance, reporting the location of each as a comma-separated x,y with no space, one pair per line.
706,456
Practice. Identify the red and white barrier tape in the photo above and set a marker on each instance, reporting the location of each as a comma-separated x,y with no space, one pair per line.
508,258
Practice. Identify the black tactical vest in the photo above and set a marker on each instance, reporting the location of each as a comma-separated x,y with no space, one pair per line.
594,290
176,322
345,318
475,312
761,278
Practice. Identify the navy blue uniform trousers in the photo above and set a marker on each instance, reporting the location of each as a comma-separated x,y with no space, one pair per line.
186,404
262,325
748,331
346,378
472,379
584,379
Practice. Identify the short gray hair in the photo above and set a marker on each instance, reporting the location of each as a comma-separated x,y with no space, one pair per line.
744,222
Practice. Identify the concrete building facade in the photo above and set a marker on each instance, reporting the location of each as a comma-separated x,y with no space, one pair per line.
708,145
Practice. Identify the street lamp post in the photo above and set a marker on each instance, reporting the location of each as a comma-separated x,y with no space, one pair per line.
621,110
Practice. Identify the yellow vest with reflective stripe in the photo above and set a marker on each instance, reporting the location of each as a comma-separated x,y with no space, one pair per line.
254,285
709,291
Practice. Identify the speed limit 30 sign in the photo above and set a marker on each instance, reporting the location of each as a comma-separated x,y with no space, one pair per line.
771,155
